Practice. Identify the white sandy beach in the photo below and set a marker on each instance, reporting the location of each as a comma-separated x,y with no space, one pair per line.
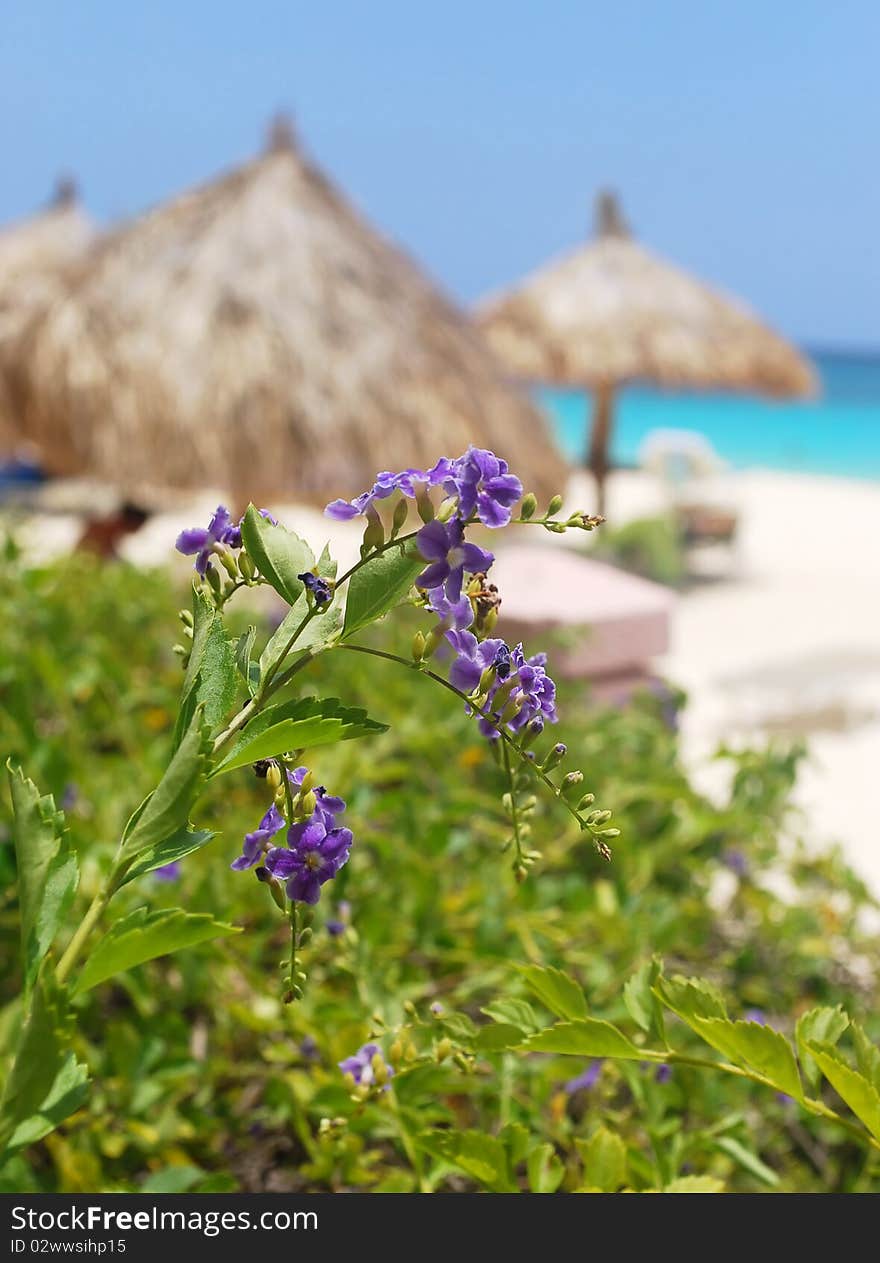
785,639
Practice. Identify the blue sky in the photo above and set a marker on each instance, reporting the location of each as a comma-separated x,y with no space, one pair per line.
742,137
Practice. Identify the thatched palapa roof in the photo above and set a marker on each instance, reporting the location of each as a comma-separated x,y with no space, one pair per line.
256,334
611,312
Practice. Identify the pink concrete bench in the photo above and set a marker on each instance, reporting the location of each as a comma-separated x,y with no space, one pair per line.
614,623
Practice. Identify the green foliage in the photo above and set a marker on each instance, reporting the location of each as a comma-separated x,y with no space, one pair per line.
303,723
280,555
380,585
202,1079
144,935
651,547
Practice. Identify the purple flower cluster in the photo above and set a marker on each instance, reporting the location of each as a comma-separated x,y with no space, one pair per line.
201,542
479,479
443,546
316,847
360,1066
522,681
320,589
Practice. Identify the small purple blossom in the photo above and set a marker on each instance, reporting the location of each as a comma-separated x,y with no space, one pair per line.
758,1016
524,679
663,1073
483,486
319,588
255,843
454,615
585,1080
436,1008
735,859
443,546
313,855
360,1065
409,482
472,658
70,797
201,542
167,872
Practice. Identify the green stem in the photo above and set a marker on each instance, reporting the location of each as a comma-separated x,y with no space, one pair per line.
514,813
82,932
286,650
294,934
397,542
406,1141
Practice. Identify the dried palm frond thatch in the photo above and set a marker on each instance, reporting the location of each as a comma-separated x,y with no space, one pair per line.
611,312
33,256
257,335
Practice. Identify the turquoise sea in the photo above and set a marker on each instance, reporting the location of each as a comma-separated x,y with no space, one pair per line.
836,433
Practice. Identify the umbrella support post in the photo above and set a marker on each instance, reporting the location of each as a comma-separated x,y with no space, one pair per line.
598,460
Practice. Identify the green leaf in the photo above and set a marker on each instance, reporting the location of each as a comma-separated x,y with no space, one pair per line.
297,725
859,1093
516,1141
825,1026
556,991
249,671
41,1085
278,554
218,679
144,935
867,1055
757,1048
641,1002
514,1013
172,1180
460,1027
695,1184
498,1037
690,997
604,1160
544,1169
379,585
175,847
167,809
747,1160
319,632
482,1157
591,1037
68,1092
47,869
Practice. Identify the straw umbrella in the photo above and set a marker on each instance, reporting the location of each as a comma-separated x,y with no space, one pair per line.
33,256
611,313
257,335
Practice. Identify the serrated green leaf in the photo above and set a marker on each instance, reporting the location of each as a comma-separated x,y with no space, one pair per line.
544,1169
248,670
144,935
497,1037
859,1093
514,1013
825,1026
218,679
179,845
556,991
279,554
68,1092
482,1157
690,997
867,1055
460,1027
641,1002
590,1037
754,1047
300,724
318,633
167,809
695,1184
604,1160
379,585
747,1160
34,1083
47,869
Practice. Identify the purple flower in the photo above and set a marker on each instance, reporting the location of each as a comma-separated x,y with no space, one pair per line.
255,843
327,806
758,1016
436,1008
472,658
319,588
70,796
585,1080
360,1065
736,861
443,545
313,856
524,679
457,615
663,1073
201,542
167,872
483,485
407,482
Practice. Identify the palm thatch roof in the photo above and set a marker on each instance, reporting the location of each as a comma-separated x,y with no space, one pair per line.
33,257
612,312
257,335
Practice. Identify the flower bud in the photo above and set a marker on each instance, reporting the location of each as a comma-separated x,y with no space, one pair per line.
528,506
374,534
520,872
186,617
307,803
490,620
246,566
586,801
229,562
424,504
418,647
306,783
554,506
273,776
444,1049
401,513
572,783
213,577
513,707
380,1069
395,1052
532,732
555,757
487,679
447,509
433,639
